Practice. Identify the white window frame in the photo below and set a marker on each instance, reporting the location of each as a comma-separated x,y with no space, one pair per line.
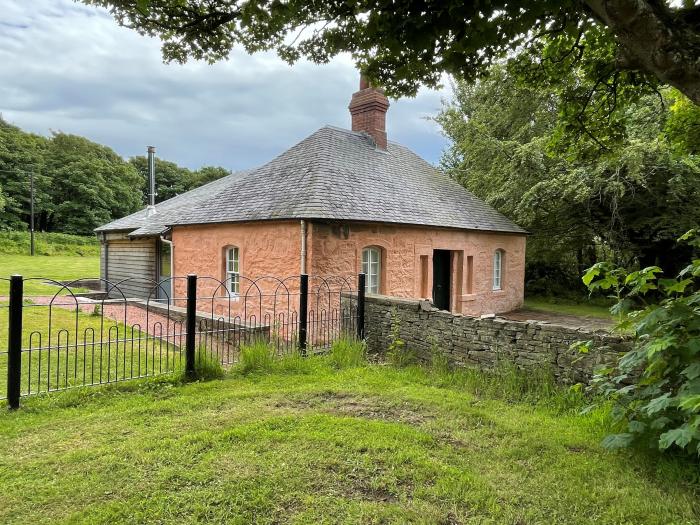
372,268
498,270
233,274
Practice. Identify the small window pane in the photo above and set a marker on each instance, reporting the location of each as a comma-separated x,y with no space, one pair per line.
232,268
371,267
497,269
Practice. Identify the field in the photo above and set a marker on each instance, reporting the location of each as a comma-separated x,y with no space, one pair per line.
18,243
568,307
57,267
306,443
79,359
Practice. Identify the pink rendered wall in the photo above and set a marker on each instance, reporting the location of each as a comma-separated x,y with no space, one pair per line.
270,248
405,274
273,248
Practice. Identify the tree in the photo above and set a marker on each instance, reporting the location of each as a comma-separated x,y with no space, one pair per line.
91,184
20,154
403,43
207,174
171,179
631,201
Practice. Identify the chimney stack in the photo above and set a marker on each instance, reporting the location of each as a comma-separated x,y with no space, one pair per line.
368,108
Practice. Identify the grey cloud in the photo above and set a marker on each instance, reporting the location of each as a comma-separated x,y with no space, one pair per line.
69,67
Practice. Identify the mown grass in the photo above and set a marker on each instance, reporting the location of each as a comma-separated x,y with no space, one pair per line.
568,307
18,243
312,442
57,267
100,350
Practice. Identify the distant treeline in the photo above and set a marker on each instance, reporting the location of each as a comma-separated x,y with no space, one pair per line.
79,184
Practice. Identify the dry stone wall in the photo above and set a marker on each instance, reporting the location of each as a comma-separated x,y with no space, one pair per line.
482,342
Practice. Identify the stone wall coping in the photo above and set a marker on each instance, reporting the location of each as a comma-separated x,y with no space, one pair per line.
420,304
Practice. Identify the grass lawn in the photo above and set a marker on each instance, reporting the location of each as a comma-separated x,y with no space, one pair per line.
102,350
568,307
79,360
309,444
58,267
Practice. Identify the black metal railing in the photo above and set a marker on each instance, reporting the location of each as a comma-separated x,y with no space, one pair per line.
71,338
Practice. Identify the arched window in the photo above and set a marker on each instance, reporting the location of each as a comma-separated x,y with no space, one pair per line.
372,268
233,277
498,256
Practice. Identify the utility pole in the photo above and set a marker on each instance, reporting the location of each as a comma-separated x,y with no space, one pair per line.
31,213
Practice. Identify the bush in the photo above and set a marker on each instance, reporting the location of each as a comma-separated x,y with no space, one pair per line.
257,357
347,353
656,385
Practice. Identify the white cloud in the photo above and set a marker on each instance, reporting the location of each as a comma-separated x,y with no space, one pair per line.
69,67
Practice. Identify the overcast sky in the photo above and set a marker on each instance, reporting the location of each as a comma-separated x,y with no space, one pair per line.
69,67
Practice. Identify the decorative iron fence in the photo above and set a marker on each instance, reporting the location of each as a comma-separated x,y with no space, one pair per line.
72,338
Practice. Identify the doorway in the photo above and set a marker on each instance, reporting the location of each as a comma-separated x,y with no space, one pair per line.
164,292
442,273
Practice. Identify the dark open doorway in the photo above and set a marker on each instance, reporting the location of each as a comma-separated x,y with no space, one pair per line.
442,272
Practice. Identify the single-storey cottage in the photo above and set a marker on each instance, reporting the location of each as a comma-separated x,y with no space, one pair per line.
337,203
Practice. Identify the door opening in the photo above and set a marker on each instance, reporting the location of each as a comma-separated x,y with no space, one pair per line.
164,292
442,273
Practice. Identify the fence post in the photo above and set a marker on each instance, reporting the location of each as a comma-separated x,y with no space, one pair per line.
303,311
191,323
14,347
361,306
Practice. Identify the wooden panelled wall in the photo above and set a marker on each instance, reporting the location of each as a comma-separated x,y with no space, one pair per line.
134,259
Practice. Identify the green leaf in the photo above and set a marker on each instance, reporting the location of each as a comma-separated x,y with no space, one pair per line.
680,436
658,404
691,403
636,427
615,441
691,371
659,422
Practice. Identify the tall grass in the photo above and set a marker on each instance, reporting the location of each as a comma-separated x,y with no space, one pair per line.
17,243
506,381
257,357
206,367
347,353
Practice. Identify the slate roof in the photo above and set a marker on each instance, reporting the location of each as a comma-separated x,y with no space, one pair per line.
334,174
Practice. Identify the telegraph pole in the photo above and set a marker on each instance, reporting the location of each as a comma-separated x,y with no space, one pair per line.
31,213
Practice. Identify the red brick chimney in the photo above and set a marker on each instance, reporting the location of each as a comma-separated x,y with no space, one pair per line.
368,109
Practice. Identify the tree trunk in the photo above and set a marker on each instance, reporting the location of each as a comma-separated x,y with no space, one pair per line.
654,40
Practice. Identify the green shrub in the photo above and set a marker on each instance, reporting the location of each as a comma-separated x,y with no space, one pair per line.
257,357
656,385
347,353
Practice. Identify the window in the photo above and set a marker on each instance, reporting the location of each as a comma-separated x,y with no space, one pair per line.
470,274
498,269
372,268
233,277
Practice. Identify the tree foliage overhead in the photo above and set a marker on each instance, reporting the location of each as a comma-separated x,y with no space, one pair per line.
78,184
630,201
403,43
